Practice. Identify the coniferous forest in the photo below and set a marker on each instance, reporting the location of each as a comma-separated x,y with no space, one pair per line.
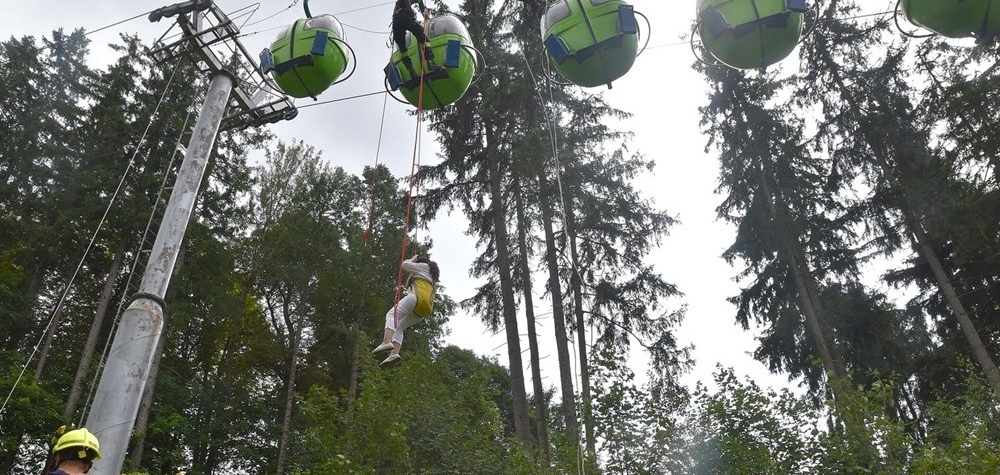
880,148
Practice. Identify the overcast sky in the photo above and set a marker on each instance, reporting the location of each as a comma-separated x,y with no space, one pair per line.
661,91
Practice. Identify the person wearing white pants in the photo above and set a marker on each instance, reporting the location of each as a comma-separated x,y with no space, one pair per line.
421,276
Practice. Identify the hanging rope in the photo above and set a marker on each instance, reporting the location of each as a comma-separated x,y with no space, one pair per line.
415,164
367,235
93,239
374,179
553,124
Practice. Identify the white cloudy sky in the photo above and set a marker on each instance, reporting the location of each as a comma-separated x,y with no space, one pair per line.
661,91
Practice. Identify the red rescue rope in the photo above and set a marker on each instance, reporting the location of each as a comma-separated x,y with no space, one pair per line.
413,180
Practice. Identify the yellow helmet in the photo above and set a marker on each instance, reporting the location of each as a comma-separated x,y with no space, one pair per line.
82,439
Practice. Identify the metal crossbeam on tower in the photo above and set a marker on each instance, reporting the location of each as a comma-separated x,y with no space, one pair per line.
210,40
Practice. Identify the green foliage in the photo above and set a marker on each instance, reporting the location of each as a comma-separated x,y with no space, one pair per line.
862,434
637,430
741,428
429,416
965,433
12,301
26,426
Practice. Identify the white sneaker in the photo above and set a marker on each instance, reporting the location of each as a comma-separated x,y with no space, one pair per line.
391,362
382,347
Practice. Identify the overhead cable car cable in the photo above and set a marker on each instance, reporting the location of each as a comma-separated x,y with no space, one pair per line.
90,32
236,15
342,99
262,20
366,8
305,6
374,32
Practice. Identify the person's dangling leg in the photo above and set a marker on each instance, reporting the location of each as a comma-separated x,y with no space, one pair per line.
399,27
396,314
386,341
396,320
405,323
418,34
401,320
409,66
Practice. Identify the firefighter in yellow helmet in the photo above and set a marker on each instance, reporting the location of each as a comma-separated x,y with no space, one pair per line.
74,452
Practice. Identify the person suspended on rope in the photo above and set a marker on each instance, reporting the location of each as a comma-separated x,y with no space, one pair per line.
74,452
421,276
405,19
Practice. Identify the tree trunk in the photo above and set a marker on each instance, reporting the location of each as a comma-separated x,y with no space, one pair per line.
520,402
50,332
83,368
559,317
359,321
806,288
923,241
50,328
359,325
805,283
814,320
576,282
17,342
541,421
944,282
286,425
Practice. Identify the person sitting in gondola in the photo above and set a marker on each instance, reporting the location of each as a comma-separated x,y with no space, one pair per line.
421,276
405,19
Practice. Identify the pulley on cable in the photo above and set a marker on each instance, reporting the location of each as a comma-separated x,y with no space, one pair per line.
447,81
591,42
750,34
309,56
954,18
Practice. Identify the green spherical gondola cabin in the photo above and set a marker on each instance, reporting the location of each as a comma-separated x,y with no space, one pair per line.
750,34
955,18
454,65
591,42
307,57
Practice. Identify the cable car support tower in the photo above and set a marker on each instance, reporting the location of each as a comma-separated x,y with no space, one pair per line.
239,96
